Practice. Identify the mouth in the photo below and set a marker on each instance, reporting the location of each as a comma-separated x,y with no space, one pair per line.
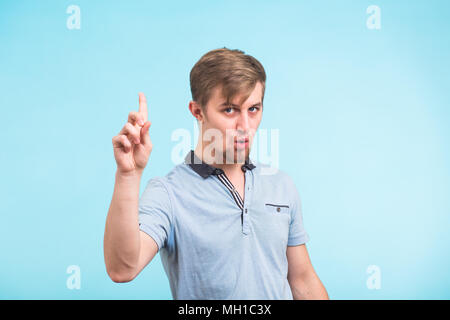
241,143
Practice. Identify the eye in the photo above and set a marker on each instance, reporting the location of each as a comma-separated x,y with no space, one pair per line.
257,108
229,108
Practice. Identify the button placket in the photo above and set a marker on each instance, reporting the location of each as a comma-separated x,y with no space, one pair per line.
247,200
242,204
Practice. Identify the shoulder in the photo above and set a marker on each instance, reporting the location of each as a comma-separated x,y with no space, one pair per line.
272,174
276,182
178,176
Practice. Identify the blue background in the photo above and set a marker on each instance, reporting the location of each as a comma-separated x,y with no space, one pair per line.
363,117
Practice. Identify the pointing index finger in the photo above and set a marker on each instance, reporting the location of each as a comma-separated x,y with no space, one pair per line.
143,106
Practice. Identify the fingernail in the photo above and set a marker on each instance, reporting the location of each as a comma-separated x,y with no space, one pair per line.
140,122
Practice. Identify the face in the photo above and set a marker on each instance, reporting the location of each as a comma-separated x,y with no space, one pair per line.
228,130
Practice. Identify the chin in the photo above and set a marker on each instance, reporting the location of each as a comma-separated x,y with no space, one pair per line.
242,154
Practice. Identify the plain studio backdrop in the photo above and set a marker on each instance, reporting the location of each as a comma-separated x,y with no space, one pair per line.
359,92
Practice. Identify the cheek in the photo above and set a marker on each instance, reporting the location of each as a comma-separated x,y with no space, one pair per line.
257,120
254,125
228,140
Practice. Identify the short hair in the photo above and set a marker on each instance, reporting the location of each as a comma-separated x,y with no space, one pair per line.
235,71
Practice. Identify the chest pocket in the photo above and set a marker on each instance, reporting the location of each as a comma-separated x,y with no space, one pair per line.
277,209
272,227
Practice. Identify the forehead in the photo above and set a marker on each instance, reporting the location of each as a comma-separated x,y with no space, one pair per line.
217,98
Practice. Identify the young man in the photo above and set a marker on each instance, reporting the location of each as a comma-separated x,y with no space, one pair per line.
224,229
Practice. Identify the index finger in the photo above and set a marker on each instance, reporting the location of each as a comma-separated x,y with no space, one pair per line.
143,106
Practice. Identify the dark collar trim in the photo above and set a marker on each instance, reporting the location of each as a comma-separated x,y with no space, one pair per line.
205,170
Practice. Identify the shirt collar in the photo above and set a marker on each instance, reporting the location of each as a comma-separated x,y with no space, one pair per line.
205,170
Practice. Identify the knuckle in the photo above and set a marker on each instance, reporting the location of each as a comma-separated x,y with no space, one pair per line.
128,127
132,115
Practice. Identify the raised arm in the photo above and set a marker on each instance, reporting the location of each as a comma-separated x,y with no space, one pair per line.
127,249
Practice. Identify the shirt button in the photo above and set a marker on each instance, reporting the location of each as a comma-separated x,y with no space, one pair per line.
278,209
245,210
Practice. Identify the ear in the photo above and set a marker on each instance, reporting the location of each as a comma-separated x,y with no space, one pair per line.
196,111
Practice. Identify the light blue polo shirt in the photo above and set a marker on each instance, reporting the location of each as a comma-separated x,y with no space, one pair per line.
213,244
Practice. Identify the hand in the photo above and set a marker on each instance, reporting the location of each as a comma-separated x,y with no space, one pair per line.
132,146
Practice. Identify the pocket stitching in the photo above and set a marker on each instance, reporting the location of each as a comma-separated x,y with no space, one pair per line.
277,208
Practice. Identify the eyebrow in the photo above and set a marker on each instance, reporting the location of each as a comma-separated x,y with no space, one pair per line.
258,104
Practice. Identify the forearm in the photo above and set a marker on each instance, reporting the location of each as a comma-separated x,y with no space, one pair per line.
122,239
308,287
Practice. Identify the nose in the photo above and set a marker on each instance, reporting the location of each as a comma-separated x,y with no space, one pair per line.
243,123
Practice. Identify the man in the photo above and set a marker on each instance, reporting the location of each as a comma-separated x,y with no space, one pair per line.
224,228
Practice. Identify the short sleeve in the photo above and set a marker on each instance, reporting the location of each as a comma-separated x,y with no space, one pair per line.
155,216
297,232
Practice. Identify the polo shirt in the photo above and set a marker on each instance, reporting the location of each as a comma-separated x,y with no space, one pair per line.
214,244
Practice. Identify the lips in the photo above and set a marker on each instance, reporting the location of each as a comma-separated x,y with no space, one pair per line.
241,143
